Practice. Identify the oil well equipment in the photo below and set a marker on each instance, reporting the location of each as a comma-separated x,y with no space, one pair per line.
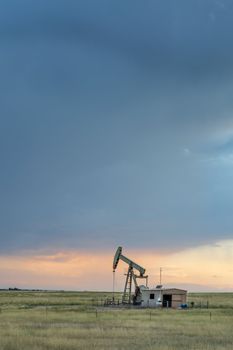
142,295
131,277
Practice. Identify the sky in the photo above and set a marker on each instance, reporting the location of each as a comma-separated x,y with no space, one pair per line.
116,128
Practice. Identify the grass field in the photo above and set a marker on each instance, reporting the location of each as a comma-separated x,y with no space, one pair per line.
71,320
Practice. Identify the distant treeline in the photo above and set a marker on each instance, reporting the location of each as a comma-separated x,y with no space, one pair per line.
26,290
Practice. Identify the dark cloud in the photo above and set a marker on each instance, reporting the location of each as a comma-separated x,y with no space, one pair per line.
114,118
196,35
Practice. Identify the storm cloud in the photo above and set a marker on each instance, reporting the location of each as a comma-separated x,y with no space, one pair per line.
116,123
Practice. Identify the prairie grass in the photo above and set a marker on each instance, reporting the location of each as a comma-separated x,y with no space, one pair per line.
65,320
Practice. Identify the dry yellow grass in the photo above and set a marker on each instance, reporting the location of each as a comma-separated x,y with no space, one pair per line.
55,321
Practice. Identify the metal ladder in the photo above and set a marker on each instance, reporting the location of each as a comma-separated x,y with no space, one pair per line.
126,299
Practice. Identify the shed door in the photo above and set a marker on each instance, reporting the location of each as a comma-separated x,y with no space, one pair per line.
167,300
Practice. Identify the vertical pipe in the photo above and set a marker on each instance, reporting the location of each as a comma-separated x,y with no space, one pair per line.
130,283
160,276
113,286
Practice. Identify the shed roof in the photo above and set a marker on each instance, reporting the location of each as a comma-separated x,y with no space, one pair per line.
174,290
166,290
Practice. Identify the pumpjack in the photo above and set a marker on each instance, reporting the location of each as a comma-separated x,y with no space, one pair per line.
131,277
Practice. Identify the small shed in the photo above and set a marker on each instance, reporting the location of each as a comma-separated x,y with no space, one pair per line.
174,297
169,298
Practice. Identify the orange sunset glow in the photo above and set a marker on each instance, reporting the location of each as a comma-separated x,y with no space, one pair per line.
208,267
